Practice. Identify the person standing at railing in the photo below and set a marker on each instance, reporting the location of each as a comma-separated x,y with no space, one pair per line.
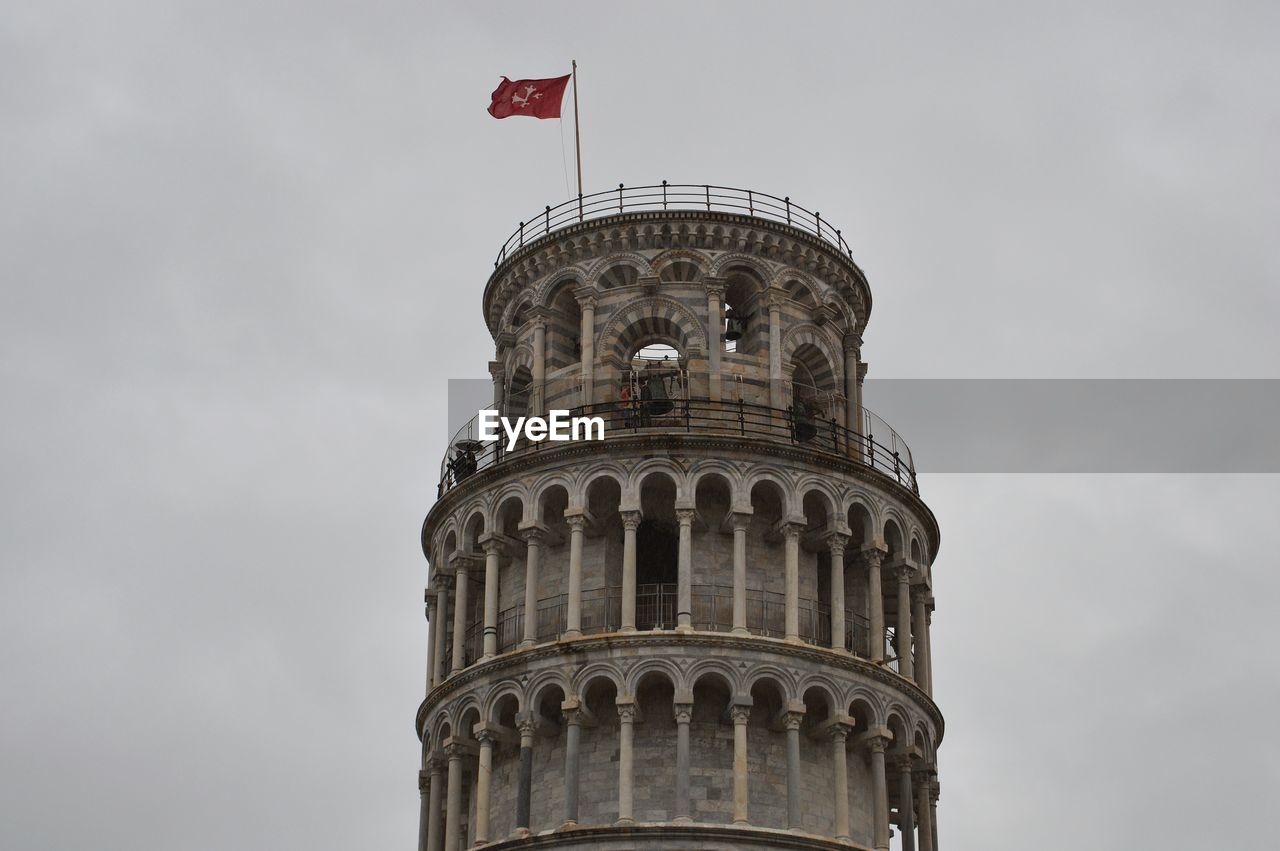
625,402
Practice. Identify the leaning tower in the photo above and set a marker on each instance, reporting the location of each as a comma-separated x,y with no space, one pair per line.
709,630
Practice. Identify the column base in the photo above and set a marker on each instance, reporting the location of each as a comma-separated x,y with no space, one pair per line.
528,642
682,820
741,823
571,633
793,639
743,631
684,627
624,822
627,630
520,833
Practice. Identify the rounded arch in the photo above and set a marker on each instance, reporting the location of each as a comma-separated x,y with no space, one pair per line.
517,312
806,347
718,669
780,677
716,467
498,696
583,680
546,290
653,669
860,515
892,535
680,265
618,270
658,466
864,709
725,265
473,528
651,319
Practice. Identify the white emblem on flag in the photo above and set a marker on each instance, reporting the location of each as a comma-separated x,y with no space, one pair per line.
529,92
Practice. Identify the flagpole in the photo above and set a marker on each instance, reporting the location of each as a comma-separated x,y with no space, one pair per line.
577,138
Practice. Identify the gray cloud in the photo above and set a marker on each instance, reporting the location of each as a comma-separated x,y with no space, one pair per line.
243,248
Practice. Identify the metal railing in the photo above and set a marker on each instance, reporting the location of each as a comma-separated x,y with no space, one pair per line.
712,611
876,444
671,196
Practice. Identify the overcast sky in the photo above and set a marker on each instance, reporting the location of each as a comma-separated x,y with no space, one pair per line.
242,247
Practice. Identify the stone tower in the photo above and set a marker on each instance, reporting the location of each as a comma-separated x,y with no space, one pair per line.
709,630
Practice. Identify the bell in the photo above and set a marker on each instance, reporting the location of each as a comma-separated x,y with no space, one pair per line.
732,327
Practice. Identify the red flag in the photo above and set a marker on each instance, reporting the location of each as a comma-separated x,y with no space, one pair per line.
538,98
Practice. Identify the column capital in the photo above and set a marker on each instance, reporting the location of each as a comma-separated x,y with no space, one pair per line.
587,296
839,731
572,714
628,713
631,518
792,719
683,712
714,286
436,765
922,777
874,554
774,298
492,544
496,370
836,540
877,742
904,571
740,714
792,526
533,532
862,371
577,518
852,342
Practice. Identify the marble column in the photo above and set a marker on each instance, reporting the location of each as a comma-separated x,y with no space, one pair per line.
840,767
573,736
527,725
906,805
852,421
484,780
903,633
879,792
577,521
741,715
630,523
627,711
875,602
836,543
461,583
492,553
424,813
741,519
453,799
715,336
435,830
933,811
431,639
924,815
684,714
587,301
776,398
441,629
533,537
791,722
792,578
919,629
537,392
684,576
925,641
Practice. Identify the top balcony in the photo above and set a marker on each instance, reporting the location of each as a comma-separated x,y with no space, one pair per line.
671,197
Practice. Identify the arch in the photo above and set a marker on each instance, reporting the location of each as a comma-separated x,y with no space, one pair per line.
664,466
716,668
861,519
808,346
782,678
545,291
680,265
498,696
892,535
651,669
863,709
582,680
651,319
716,467
473,528
724,265
606,272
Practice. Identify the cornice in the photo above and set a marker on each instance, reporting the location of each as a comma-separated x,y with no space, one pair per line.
674,442
565,648
667,835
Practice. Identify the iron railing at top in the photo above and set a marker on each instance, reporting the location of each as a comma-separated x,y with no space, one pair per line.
672,196
875,444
